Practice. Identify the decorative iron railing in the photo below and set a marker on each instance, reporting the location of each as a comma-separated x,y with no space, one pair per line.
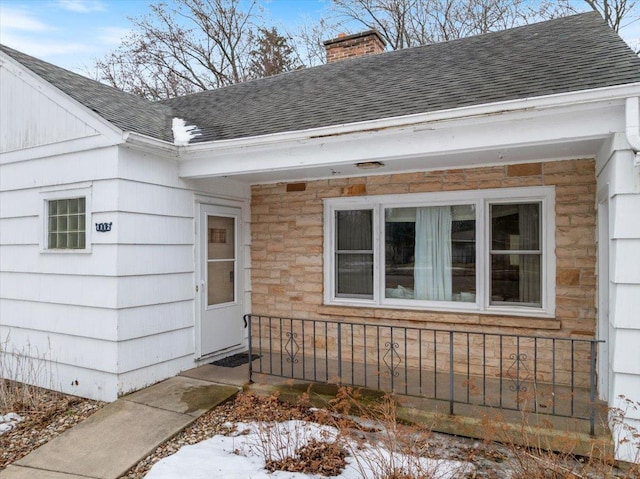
547,375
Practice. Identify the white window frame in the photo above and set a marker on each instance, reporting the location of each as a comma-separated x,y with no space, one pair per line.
65,193
481,199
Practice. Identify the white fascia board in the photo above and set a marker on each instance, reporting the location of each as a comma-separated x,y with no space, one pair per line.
435,139
614,93
71,105
560,118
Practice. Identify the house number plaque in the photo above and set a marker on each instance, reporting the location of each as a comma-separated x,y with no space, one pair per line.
103,227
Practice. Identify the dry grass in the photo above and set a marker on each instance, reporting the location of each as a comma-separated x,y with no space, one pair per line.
26,367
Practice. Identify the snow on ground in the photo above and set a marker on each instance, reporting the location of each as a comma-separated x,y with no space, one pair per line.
242,455
9,421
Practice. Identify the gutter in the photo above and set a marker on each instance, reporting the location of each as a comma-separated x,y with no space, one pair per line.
633,127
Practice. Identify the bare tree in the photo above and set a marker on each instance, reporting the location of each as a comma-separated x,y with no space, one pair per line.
192,46
614,11
408,23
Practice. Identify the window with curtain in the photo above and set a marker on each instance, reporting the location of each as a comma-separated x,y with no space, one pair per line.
430,253
485,250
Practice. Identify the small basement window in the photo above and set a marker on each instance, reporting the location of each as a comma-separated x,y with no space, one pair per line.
66,223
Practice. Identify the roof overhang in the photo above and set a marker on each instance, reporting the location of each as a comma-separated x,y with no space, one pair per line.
568,125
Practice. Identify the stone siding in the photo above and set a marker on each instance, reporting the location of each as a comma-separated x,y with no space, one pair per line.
287,248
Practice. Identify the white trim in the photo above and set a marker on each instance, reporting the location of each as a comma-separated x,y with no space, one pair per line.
82,190
481,199
620,92
632,113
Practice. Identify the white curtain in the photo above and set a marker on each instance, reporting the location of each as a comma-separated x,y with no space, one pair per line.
432,270
529,275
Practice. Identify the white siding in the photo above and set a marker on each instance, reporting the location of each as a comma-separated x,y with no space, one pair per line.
154,228
121,314
617,175
58,309
30,118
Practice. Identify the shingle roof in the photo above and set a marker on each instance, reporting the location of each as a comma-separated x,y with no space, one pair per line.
563,55
128,112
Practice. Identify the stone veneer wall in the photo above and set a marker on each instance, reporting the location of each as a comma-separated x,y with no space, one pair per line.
287,247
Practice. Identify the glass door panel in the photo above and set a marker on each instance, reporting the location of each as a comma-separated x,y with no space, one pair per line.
221,260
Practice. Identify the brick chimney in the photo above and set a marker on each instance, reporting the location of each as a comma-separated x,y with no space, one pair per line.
349,46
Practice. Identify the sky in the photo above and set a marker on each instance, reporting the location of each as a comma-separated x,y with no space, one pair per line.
73,33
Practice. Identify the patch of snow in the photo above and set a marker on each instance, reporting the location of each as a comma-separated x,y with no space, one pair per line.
242,455
183,133
9,421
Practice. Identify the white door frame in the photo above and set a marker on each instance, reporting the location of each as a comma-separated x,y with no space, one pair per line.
199,276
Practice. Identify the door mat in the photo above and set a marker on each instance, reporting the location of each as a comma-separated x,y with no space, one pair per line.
235,360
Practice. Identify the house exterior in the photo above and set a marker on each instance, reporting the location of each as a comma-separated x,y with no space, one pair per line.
135,235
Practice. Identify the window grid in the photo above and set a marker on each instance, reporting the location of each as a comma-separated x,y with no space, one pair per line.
536,275
66,223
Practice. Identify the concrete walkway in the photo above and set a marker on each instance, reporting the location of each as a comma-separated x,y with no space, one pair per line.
115,438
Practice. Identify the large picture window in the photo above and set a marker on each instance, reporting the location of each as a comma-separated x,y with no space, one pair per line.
486,250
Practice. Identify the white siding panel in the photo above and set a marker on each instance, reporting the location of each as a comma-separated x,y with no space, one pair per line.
133,380
154,259
78,351
222,187
96,291
31,259
153,199
31,118
19,230
627,354
626,266
626,211
157,289
60,170
146,168
96,323
147,351
87,383
625,306
28,202
136,228
149,320
104,260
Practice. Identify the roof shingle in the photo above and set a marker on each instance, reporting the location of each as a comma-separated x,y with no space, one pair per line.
568,54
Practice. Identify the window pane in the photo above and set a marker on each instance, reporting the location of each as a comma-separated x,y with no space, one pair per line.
354,275
515,227
220,282
221,243
66,224
354,230
430,253
515,278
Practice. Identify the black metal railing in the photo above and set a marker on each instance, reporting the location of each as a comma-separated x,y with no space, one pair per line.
548,375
